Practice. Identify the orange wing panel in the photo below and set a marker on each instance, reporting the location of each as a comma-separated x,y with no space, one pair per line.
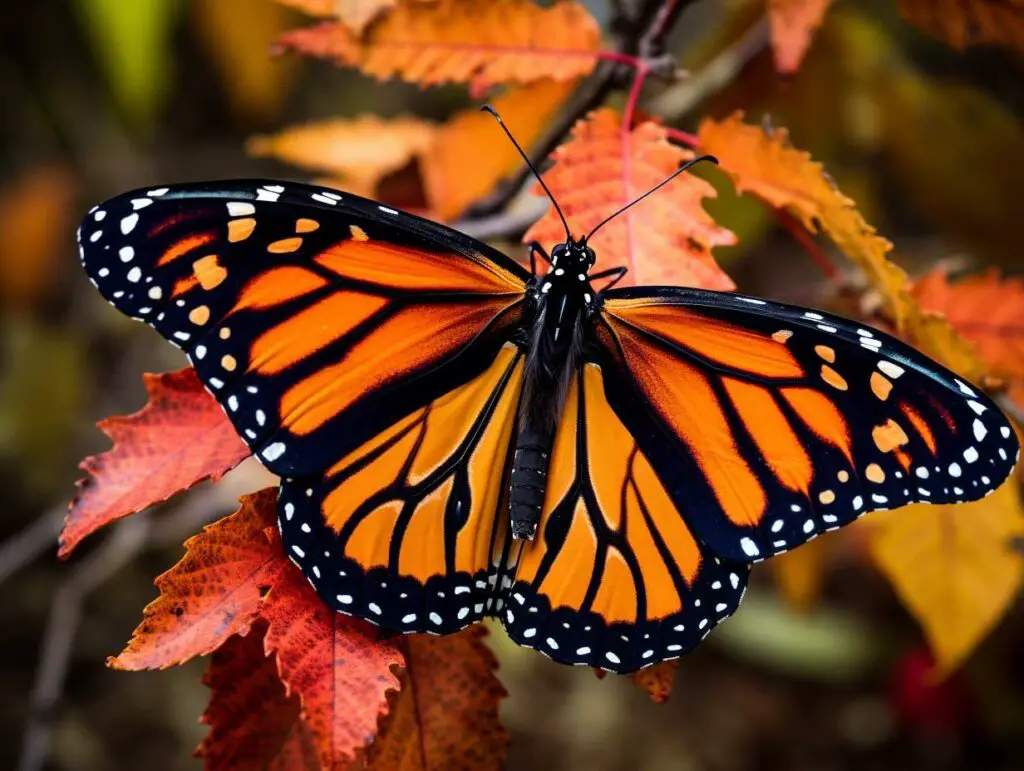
278,286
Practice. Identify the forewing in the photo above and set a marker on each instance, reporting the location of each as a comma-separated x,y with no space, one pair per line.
614,578
315,318
408,530
771,424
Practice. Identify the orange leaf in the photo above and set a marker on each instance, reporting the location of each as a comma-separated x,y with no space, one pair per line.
798,574
765,164
668,238
656,680
358,150
953,567
793,23
463,41
962,23
179,438
446,715
213,592
254,724
986,310
339,666
470,153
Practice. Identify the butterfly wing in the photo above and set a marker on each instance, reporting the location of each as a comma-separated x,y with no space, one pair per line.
316,318
770,423
614,578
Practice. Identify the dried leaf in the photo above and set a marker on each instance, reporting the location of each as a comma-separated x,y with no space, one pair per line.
339,666
36,212
179,438
269,737
953,567
255,86
987,310
765,164
446,716
213,592
356,14
793,23
668,238
463,41
359,150
470,153
656,680
962,23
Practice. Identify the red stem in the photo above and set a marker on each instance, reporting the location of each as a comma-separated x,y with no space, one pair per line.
797,230
627,125
682,137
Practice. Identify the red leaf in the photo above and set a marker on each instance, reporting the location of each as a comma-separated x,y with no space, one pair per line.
213,592
339,666
179,438
668,238
793,23
656,680
446,715
269,737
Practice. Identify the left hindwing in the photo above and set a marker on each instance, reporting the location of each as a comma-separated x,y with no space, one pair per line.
770,424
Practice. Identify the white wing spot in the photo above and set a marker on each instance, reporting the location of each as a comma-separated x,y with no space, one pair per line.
141,203
273,451
979,429
240,208
126,253
134,274
963,387
971,454
890,369
128,223
749,547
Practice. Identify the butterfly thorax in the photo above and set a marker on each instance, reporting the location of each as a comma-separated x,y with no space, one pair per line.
562,300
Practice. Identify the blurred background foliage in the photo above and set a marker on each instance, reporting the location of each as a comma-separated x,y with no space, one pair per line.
821,670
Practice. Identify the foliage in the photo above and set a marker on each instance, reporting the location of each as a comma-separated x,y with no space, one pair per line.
336,692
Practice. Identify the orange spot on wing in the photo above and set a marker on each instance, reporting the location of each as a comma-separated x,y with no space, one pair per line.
412,338
874,473
828,354
209,272
184,246
821,416
199,315
277,286
616,598
782,335
310,330
772,433
390,265
239,230
358,234
304,225
920,425
889,436
183,285
686,403
833,378
285,245
723,343
880,385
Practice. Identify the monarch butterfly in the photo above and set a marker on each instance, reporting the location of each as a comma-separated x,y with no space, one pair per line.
459,437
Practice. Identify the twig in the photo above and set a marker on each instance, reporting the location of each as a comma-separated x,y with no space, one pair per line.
34,539
507,224
1010,407
680,99
129,538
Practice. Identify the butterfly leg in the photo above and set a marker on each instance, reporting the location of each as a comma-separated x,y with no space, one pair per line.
618,274
535,249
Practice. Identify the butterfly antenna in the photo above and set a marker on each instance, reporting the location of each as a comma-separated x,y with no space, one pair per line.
660,185
565,224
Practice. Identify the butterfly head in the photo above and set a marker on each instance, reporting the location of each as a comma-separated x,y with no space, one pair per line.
573,256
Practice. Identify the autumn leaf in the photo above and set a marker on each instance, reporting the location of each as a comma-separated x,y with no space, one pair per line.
963,23
656,680
339,666
213,592
179,438
254,724
799,574
445,718
793,23
987,310
668,238
470,153
359,150
953,567
463,41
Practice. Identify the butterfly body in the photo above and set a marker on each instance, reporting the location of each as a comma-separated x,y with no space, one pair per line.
456,441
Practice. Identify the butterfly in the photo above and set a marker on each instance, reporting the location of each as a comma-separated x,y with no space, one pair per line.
459,437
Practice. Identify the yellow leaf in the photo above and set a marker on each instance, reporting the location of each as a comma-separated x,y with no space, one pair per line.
463,41
668,238
962,23
358,150
237,33
793,23
471,153
356,14
953,567
767,165
799,573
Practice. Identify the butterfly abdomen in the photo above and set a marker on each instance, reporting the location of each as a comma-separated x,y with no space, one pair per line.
528,483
